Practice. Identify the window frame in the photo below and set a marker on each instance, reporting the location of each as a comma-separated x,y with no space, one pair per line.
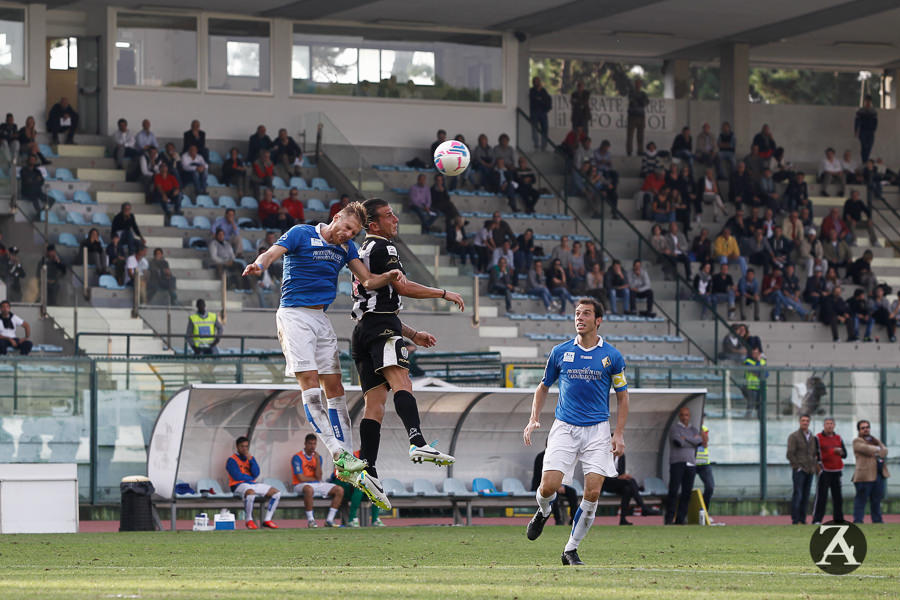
26,41
272,45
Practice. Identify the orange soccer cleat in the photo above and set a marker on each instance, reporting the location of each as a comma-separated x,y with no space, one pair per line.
270,524
251,524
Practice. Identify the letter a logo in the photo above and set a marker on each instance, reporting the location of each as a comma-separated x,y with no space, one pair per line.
838,548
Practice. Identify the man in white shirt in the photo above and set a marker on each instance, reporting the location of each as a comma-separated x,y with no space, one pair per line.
831,171
194,165
144,140
8,324
149,168
506,252
134,264
124,144
711,195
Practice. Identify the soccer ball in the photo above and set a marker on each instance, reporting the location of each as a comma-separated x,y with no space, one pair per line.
451,158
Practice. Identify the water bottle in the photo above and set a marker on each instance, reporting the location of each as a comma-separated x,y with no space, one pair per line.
702,517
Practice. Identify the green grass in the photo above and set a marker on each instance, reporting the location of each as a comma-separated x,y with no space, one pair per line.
442,562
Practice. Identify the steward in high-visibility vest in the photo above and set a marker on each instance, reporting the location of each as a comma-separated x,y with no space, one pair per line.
203,330
753,380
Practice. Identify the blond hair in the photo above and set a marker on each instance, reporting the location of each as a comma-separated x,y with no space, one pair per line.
355,210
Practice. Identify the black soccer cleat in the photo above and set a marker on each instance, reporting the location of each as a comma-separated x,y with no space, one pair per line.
570,557
536,525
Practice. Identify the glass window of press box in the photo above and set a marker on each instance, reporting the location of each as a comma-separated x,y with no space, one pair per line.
12,44
397,64
156,51
239,56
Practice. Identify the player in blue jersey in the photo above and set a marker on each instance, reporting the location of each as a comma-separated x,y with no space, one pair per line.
585,368
313,257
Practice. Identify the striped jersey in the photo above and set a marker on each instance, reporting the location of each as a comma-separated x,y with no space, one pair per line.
380,255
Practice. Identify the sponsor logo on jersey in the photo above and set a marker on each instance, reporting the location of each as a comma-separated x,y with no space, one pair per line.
606,362
569,357
316,242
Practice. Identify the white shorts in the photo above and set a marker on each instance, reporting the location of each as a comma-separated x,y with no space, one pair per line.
308,341
258,488
567,444
319,488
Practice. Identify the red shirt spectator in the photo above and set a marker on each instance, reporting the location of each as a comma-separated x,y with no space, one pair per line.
653,183
263,171
267,208
294,207
834,221
338,206
167,183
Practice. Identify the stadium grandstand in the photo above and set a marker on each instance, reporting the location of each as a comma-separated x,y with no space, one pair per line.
637,194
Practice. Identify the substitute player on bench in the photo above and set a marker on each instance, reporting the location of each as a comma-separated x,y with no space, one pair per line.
586,367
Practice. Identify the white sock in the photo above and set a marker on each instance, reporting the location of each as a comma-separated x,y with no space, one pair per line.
248,506
272,505
544,503
331,513
310,516
584,518
340,421
318,419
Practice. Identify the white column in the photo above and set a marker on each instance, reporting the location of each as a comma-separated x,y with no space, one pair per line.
676,79
734,96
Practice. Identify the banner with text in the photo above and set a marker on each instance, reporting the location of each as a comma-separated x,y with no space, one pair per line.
611,112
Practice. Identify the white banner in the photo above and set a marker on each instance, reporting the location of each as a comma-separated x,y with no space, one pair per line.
611,112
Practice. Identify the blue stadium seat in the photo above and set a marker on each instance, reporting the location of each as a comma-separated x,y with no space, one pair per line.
654,486
64,174
57,196
278,183
75,218
214,159
299,183
423,487
250,203
395,489
212,180
384,167
634,338
82,197
109,282
179,221
205,201
455,487
319,183
315,204
201,222
485,487
614,338
279,485
186,201
101,219
513,486
654,338
211,489
53,217
67,239
47,151
673,339
227,202
306,162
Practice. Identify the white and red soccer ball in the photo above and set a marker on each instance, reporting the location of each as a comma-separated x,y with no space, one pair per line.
451,158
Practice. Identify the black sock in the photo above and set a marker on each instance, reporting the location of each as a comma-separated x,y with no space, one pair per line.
405,405
369,440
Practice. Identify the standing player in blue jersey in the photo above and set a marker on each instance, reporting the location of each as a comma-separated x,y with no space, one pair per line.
586,368
313,257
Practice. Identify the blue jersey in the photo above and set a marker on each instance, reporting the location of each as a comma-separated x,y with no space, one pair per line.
585,376
311,266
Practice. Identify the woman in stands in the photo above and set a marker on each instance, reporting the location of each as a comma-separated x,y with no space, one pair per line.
95,251
28,141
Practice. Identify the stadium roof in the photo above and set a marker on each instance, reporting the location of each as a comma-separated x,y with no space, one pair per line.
812,33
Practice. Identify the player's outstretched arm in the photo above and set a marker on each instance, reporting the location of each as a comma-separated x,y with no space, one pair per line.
537,405
264,260
373,282
618,438
419,338
411,289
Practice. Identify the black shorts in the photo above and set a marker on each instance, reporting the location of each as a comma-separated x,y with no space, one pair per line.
377,343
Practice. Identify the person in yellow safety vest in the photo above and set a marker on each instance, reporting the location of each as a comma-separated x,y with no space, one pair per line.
204,330
704,468
754,380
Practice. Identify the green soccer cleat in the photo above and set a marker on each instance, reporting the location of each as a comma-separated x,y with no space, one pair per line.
347,462
372,488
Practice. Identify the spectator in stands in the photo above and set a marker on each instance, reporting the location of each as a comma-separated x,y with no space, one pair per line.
14,275
526,180
420,203
504,250
484,245
764,142
771,291
591,256
501,281
814,290
750,225
662,208
539,104
193,165
228,224
137,265
286,153
504,150
707,191
96,255
440,199
793,229
755,164
860,272
204,330
831,279
726,251
740,187
234,171
639,284
167,192
880,309
739,226
758,251
852,172
62,118
701,247
864,126
502,181
562,252
467,176
149,166
28,141
309,482
243,471
504,232
860,314
682,147
683,441
617,287
258,142
580,107
748,294
797,192
281,220
766,191
637,121
684,197
830,171
790,296
338,206
601,189
222,258
144,140
653,182
782,248
782,169
267,206
9,322
577,271
125,226
124,144
558,285
482,159
702,287
195,137
650,160
173,160
160,278
836,251
32,179
441,138
873,179
834,311
9,138
854,209
677,249
722,288
263,172
733,344
726,145
116,253
524,254
459,246
536,284
572,141
294,205
594,285
706,147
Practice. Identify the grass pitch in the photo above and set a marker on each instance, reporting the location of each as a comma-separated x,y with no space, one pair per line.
442,562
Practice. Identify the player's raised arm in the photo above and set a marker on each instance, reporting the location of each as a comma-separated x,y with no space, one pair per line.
265,259
411,289
373,282
618,438
537,405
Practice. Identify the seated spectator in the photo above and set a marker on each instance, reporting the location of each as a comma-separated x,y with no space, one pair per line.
440,199
751,224
577,271
482,160
740,187
793,229
194,166
484,245
504,251
62,118
563,252
854,209
661,247
600,189
860,272
771,291
797,192
651,161
603,160
782,248
286,153
880,309
149,166
441,138
830,171
639,284
32,178
726,251
617,287
708,192
338,206
806,215
706,147
56,271
160,278
136,267
662,208
702,287
685,198
145,139
9,138
526,180
758,251
733,343
672,175
281,220
748,294
124,144
765,142
537,284
524,254
28,143
767,192
726,145
125,226
222,259
195,137
651,186
677,249
14,273
501,281
420,203
852,172
263,172
294,205
167,192
505,151
9,322
467,176
459,246
790,295
591,256
258,142
235,171
228,224
701,247
267,206
815,289
502,181
860,314
722,288
309,482
504,232
558,285
572,141
172,159
836,251
116,253
782,169
243,471
834,311
594,285
682,147
96,255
